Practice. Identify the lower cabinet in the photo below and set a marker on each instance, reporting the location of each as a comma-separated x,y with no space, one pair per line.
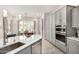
72,46
61,45
27,50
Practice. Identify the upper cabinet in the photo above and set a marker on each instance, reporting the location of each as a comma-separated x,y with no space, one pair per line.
57,18
52,28
60,16
63,16
75,17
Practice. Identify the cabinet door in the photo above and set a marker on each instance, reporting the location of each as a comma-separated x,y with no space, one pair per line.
53,29
27,50
73,47
57,18
60,16
61,45
49,28
63,16
45,26
75,17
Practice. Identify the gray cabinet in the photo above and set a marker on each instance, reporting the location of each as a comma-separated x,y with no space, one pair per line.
60,16
50,27
75,17
63,16
27,50
52,19
61,45
47,27
53,29
72,46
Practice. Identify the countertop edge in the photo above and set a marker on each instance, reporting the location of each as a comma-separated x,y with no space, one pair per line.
24,46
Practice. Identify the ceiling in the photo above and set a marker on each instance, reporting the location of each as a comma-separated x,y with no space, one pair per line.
29,10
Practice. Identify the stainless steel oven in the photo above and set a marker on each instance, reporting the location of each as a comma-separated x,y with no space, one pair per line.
61,37
60,33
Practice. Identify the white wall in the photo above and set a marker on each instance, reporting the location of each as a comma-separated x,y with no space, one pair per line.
14,26
39,25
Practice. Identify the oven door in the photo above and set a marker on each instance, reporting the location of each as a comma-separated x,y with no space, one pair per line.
60,42
60,37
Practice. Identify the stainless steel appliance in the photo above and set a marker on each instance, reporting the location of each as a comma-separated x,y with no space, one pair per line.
61,37
60,33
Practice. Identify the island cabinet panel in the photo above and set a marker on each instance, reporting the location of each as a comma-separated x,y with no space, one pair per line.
27,50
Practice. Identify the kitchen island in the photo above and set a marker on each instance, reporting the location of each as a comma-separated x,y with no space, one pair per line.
27,47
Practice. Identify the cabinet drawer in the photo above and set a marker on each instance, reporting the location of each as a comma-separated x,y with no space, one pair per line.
60,45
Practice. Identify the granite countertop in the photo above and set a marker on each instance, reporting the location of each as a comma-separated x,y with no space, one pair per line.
73,38
28,41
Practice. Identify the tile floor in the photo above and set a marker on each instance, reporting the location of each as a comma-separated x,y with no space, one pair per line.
47,48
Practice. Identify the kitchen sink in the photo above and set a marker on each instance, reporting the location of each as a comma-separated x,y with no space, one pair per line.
10,47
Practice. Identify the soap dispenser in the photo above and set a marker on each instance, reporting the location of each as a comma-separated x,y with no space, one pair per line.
76,33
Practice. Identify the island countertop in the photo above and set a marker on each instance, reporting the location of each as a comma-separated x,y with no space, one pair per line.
73,38
27,42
